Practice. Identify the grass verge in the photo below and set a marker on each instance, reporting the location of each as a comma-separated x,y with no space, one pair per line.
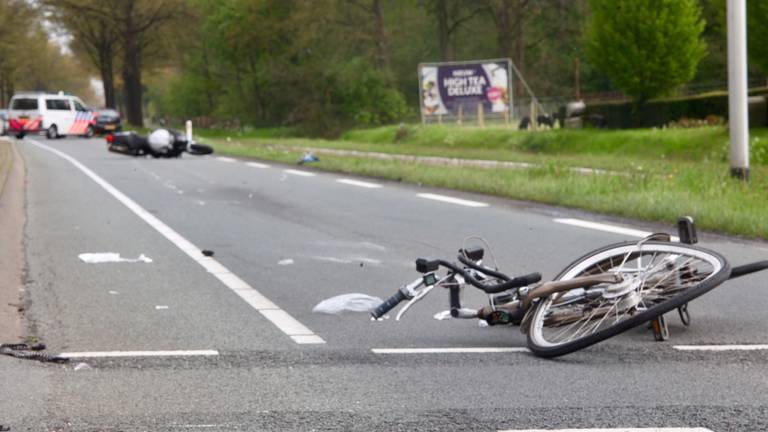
663,174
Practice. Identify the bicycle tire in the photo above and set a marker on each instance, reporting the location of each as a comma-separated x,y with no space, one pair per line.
703,268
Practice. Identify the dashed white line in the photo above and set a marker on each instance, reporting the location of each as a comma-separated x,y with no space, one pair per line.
607,228
108,354
269,310
720,347
257,165
452,200
613,430
359,183
448,350
226,159
161,307
299,173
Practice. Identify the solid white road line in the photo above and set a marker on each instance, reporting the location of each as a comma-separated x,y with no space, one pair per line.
299,173
607,228
720,347
448,350
452,200
613,430
106,354
226,159
269,310
359,183
257,165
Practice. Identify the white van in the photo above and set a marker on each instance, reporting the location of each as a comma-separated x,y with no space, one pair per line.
56,115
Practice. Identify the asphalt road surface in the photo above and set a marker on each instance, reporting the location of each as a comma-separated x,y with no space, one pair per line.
230,342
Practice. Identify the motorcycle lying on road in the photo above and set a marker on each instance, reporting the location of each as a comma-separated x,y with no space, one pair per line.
161,143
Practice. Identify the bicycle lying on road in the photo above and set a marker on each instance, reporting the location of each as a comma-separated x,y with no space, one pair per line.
603,293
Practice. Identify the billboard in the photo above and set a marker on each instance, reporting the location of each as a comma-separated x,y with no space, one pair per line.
447,86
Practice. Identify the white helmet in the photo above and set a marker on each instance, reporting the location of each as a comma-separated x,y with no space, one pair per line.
161,141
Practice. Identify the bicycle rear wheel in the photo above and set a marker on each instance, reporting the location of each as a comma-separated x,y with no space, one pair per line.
657,277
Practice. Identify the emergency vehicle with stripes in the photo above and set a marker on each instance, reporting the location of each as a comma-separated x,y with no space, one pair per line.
54,115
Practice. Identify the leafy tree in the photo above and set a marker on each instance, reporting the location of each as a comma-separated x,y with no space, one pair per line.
757,33
93,37
647,47
48,69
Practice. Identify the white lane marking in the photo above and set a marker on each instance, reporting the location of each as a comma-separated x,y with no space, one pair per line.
613,430
161,307
226,159
448,350
309,339
720,347
359,183
332,259
608,228
285,262
257,165
105,354
452,200
299,173
229,279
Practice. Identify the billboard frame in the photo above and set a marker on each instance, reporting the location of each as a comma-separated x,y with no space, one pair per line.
511,70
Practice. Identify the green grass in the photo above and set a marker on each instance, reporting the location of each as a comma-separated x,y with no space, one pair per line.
277,132
663,173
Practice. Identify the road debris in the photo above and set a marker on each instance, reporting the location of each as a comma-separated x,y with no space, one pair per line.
353,302
308,158
111,257
82,366
30,352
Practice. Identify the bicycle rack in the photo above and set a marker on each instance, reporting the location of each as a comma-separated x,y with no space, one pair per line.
686,231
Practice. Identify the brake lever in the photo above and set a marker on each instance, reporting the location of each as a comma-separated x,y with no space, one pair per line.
420,295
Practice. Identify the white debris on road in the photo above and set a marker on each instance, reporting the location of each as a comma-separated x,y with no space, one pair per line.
111,257
348,303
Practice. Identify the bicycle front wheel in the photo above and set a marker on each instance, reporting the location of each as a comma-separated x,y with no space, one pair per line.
656,278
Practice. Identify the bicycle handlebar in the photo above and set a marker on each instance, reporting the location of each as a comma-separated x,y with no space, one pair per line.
517,282
388,305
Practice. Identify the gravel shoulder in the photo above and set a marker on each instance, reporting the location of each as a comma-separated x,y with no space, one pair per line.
11,241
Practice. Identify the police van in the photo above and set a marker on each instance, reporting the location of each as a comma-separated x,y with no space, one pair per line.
54,115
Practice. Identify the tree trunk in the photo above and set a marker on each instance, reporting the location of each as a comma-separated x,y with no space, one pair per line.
380,36
504,29
107,79
443,31
519,57
132,90
208,79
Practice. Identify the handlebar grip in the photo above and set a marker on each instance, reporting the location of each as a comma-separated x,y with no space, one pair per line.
528,279
388,305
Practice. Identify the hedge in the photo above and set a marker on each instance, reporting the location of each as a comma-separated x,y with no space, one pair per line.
660,112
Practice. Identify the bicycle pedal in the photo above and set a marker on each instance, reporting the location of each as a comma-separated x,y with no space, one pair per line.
660,328
499,317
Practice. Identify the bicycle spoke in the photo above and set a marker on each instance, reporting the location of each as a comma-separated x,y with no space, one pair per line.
607,313
562,333
654,277
582,326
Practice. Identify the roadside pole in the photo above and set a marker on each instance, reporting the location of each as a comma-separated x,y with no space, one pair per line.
738,117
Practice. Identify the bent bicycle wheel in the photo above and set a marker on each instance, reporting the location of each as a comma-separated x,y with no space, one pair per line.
656,278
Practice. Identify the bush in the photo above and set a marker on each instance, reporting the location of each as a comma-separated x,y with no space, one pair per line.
660,112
